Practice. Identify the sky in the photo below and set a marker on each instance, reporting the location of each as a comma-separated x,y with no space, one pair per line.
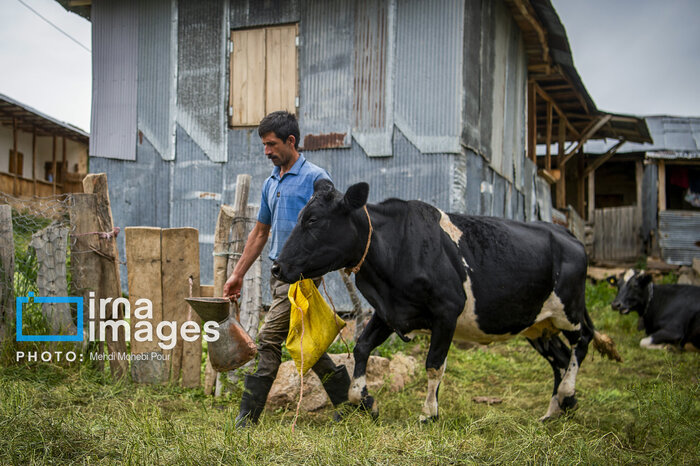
638,57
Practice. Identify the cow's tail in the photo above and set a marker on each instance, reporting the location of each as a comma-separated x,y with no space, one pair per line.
603,343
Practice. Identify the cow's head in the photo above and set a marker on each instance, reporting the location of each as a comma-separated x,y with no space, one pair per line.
329,234
631,295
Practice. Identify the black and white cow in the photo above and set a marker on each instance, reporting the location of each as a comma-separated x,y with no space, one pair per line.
669,314
477,279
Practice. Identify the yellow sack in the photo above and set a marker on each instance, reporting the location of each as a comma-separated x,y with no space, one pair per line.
320,324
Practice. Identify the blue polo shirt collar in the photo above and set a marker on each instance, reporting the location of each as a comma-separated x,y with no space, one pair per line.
296,168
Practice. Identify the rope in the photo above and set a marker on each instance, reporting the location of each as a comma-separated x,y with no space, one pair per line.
102,234
369,241
301,389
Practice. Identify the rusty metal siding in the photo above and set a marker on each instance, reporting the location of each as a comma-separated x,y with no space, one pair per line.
428,74
679,236
201,73
488,27
115,27
252,13
157,68
325,69
471,75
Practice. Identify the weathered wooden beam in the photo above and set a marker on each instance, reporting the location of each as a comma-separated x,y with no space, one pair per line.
662,185
532,121
603,158
536,26
581,185
110,286
548,136
7,272
15,158
34,163
53,167
561,183
562,115
592,128
591,196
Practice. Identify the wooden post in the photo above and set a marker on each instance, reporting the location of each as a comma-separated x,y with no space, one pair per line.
238,237
34,163
548,142
53,166
179,263
531,121
15,159
639,179
662,185
591,196
63,164
85,262
143,258
7,271
581,185
110,284
561,165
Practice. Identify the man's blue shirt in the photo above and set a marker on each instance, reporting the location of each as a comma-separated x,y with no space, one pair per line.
282,200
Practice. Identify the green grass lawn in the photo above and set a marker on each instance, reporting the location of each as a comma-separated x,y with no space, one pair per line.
644,410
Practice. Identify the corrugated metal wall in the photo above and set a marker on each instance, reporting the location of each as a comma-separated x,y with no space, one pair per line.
114,72
679,236
438,105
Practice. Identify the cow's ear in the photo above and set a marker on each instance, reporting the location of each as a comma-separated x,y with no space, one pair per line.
644,279
323,185
356,196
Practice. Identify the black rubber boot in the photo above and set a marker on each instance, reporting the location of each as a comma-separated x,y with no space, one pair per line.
253,400
337,383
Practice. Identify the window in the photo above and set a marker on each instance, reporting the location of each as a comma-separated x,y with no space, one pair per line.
263,73
16,163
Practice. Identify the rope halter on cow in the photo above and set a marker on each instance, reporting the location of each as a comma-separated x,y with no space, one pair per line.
369,241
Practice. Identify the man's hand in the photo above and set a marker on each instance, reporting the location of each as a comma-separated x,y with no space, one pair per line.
232,287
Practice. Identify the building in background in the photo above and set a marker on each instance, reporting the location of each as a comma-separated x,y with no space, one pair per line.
39,156
646,199
443,101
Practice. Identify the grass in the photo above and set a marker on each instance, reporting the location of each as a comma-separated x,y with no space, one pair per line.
645,410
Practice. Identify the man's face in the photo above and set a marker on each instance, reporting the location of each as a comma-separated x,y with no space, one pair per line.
279,152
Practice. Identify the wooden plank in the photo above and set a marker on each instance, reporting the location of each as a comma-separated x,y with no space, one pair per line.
248,77
110,285
639,175
144,272
53,167
206,291
15,187
589,132
85,262
288,62
179,263
7,271
561,183
591,196
33,163
662,185
603,158
580,185
274,73
548,138
531,121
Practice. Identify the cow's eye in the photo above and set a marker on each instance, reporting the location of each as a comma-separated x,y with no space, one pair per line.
311,220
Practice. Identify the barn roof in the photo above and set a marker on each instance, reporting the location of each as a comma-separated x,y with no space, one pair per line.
674,138
31,120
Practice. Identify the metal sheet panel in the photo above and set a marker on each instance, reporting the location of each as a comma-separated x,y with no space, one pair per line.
196,196
157,61
115,27
679,236
139,192
374,45
475,170
428,74
471,74
488,22
325,69
251,13
201,87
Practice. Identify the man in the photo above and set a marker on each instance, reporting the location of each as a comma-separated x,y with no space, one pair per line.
284,194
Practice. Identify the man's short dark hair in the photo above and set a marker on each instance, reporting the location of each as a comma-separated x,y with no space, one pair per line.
283,124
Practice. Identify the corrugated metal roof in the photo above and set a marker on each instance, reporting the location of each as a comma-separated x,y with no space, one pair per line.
29,118
671,135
